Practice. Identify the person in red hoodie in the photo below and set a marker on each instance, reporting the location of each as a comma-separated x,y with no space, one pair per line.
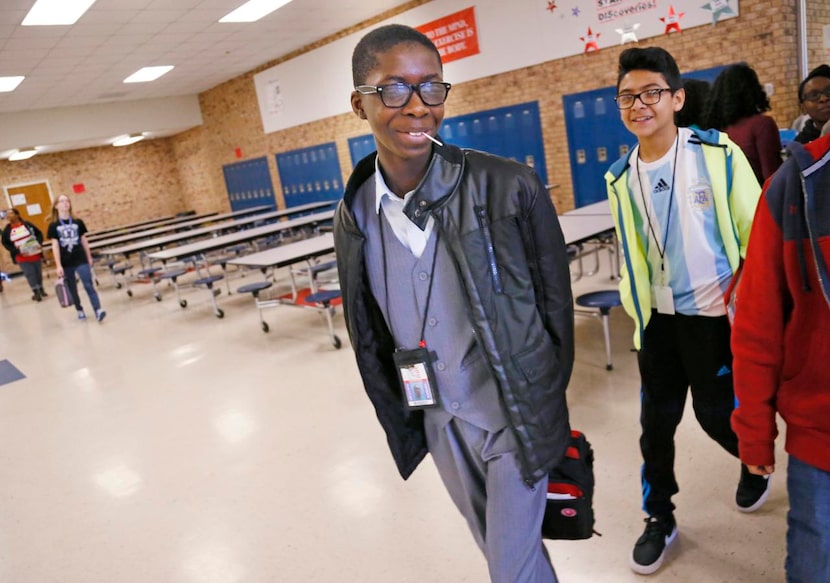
781,349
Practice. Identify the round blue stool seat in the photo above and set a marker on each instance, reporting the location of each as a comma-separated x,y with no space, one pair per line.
172,274
572,251
604,300
209,280
323,297
149,272
254,288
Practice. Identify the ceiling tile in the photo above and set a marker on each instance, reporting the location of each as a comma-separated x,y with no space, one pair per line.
79,63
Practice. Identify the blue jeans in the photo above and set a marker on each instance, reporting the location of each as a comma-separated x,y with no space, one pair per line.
808,521
85,274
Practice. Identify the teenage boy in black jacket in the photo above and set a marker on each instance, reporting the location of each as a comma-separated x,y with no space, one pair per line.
457,297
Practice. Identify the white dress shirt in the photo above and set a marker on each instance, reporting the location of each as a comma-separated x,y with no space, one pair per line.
407,232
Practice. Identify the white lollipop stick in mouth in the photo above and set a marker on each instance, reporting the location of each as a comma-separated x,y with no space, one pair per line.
426,135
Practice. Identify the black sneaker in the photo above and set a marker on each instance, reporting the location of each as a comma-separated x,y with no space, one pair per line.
651,547
752,491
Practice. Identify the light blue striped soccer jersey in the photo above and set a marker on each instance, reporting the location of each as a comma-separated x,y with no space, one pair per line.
674,210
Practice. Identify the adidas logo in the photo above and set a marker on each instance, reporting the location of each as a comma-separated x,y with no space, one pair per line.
661,186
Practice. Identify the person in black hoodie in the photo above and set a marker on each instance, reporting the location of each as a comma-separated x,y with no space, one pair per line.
814,97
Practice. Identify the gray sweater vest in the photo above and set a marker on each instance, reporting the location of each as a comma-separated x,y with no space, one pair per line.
466,386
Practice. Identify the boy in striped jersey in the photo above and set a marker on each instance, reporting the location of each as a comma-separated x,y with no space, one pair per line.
683,201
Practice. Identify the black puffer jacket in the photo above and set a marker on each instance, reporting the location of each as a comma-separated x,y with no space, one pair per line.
500,228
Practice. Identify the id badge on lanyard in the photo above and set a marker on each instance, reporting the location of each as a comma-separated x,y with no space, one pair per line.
664,298
416,378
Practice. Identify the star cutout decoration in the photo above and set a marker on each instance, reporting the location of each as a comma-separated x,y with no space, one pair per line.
590,40
672,21
551,5
575,11
718,8
628,34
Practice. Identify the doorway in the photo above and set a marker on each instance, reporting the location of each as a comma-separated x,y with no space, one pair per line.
33,201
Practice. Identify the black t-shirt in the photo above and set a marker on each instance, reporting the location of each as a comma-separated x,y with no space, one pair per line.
68,234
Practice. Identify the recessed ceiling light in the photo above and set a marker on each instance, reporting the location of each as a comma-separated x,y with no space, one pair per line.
56,12
23,154
127,140
253,10
148,74
10,83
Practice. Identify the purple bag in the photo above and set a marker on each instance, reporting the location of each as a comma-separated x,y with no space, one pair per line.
62,293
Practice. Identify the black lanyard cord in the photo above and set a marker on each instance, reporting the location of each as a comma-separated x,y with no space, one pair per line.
422,342
661,252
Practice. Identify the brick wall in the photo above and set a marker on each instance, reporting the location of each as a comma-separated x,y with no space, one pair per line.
122,184
818,16
232,120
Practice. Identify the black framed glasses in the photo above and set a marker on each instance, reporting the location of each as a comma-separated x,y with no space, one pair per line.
816,95
396,95
648,97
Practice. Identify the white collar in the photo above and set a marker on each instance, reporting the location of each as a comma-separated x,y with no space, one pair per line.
382,190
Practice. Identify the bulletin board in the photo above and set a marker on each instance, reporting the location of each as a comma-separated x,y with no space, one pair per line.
507,35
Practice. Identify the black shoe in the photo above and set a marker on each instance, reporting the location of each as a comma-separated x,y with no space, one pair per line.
43,293
36,296
651,547
752,491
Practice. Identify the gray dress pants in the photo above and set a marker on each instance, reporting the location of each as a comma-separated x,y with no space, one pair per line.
481,473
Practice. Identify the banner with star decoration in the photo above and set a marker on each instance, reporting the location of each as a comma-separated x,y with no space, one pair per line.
485,38
605,23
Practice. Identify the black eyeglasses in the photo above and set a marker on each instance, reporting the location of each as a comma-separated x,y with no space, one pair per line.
396,95
816,95
649,97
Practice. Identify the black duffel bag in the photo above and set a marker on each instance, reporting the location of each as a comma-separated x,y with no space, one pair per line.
569,513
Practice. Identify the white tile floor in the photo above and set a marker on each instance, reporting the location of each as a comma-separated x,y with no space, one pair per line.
166,445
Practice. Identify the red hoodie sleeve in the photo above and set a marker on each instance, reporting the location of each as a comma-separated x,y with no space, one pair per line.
758,338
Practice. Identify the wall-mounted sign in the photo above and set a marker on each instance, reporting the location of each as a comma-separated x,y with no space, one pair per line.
455,35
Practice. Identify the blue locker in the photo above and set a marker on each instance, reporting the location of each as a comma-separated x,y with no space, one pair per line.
513,132
597,136
360,147
248,184
310,174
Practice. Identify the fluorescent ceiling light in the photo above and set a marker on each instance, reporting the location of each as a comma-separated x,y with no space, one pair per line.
127,140
9,83
23,154
56,12
253,10
148,74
